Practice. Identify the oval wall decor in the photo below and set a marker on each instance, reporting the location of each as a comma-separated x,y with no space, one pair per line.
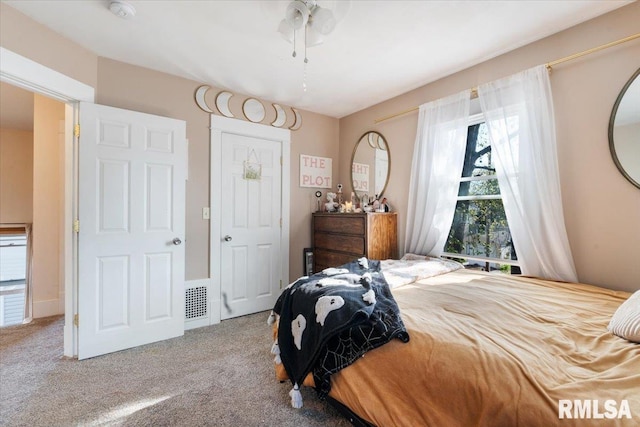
281,116
298,122
200,98
222,103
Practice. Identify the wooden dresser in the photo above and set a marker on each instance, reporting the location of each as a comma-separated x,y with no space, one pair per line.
339,238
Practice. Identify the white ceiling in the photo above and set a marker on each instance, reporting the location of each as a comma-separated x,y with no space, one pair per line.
380,49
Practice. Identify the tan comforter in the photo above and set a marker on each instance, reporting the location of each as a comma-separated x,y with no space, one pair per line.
488,350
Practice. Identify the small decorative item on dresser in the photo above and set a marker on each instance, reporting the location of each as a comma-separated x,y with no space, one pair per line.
318,196
330,206
384,206
376,204
339,194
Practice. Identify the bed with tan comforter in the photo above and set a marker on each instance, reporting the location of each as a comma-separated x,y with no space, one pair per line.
496,350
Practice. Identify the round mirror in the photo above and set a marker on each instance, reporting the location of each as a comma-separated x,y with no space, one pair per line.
370,165
253,110
624,130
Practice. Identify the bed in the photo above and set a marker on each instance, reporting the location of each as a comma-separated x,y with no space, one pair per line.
488,349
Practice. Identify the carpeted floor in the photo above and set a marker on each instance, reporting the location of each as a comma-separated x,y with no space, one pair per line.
220,375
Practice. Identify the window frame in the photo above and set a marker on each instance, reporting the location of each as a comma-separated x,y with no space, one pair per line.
474,120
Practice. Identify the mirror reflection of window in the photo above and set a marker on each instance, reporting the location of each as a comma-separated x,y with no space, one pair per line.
381,168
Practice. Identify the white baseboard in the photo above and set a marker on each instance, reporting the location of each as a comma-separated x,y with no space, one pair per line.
47,308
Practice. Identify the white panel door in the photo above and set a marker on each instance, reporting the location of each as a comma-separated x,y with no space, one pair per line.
253,236
131,196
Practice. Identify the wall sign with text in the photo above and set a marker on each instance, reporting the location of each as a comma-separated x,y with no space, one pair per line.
315,171
360,174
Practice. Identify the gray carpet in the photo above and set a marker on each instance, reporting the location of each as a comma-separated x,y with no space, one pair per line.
220,375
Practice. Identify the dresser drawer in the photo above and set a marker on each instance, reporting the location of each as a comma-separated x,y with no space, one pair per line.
323,259
340,243
340,223
342,238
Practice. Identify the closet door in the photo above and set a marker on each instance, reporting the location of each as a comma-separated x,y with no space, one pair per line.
249,233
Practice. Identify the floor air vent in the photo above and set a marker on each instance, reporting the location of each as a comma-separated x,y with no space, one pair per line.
196,302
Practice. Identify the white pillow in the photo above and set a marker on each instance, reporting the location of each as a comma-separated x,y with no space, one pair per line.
625,322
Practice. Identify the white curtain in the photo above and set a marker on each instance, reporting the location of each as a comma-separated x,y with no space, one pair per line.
438,156
520,118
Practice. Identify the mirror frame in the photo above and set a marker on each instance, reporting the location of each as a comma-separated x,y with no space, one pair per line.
253,110
612,120
222,103
353,156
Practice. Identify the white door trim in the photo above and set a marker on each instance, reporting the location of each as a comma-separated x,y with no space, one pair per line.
218,122
30,75
35,77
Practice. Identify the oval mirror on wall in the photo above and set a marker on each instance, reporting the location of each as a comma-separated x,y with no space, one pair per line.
370,165
624,130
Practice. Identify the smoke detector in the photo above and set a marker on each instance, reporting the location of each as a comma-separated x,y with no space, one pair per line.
122,9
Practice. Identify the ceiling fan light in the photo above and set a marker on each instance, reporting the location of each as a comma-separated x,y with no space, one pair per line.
297,14
314,38
286,31
322,20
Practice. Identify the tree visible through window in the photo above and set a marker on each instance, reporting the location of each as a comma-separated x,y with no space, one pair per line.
480,233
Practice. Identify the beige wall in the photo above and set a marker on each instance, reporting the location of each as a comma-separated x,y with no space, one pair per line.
134,88
26,37
126,86
130,87
48,149
318,136
601,208
16,176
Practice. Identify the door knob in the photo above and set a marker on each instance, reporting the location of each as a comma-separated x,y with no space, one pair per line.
227,238
176,241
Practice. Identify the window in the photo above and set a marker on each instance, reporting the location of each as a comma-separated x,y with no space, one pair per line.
479,233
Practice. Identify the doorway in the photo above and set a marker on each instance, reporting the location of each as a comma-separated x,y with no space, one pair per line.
37,78
31,184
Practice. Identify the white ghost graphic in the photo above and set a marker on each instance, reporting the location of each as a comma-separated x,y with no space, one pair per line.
330,281
369,296
297,328
326,305
364,263
331,271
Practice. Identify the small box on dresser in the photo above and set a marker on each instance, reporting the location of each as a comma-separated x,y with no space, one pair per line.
339,238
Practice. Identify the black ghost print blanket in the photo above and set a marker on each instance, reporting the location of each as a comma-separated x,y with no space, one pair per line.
328,320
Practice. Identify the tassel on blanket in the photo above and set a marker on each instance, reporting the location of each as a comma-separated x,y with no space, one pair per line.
296,396
364,262
366,280
369,296
275,349
272,318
